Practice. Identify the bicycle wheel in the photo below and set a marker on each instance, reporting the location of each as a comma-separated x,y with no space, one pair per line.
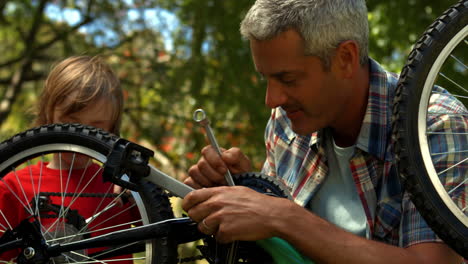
53,175
431,126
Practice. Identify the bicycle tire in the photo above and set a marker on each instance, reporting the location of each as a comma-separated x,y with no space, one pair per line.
153,204
415,163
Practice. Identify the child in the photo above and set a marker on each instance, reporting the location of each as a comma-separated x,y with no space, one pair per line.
83,90
74,87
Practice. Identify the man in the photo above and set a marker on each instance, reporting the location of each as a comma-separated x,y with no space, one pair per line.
328,139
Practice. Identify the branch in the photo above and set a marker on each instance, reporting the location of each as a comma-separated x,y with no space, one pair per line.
35,76
25,65
62,35
31,37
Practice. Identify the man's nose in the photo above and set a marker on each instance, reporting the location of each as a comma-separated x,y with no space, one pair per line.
275,95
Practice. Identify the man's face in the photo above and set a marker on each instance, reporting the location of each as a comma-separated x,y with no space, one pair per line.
299,84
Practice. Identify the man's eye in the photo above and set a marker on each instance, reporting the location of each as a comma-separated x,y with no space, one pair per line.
261,78
288,81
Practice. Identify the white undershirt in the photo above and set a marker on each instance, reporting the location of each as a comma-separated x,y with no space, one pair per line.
337,201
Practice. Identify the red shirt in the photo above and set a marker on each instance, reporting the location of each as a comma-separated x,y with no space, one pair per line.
26,182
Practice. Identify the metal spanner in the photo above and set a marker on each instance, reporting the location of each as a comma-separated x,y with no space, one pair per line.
200,117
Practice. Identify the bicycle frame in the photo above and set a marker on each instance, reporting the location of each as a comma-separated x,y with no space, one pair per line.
183,229
128,158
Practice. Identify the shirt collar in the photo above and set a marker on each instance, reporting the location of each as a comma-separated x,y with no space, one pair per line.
376,125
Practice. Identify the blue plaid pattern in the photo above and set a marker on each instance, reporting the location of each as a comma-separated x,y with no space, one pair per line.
301,163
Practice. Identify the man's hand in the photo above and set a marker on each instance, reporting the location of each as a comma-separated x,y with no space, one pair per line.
235,213
210,169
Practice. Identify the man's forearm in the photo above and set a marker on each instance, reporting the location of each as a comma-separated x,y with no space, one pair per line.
323,242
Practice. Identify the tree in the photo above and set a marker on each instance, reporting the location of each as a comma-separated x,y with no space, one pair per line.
208,66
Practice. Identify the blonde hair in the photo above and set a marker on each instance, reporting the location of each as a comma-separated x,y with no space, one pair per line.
87,79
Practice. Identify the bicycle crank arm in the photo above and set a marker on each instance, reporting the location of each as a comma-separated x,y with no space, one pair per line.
182,230
167,182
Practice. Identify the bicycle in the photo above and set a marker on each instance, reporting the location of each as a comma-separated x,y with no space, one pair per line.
54,231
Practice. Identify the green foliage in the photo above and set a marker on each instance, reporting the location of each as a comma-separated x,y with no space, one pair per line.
209,65
394,26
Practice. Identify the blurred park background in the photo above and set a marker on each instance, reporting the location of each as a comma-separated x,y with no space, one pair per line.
172,57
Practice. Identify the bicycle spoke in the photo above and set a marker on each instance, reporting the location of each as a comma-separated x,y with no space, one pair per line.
114,216
16,195
68,258
447,114
61,212
38,191
119,225
451,167
6,220
454,95
107,260
452,81
459,61
95,259
36,209
81,256
464,209
117,249
447,133
78,195
449,152
110,205
70,169
94,215
59,239
458,186
88,259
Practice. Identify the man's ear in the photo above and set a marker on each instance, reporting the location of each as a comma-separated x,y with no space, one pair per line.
346,59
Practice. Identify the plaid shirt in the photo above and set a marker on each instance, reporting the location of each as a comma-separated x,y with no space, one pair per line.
300,161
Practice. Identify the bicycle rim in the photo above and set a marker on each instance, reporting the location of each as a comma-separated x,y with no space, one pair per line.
432,172
70,201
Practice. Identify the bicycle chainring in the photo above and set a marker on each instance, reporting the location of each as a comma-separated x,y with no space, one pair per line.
262,183
247,252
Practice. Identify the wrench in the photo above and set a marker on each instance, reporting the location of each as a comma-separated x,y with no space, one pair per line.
200,117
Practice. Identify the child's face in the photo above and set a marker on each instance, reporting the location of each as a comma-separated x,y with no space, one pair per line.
97,114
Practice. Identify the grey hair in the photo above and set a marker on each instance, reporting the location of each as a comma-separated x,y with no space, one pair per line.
323,24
